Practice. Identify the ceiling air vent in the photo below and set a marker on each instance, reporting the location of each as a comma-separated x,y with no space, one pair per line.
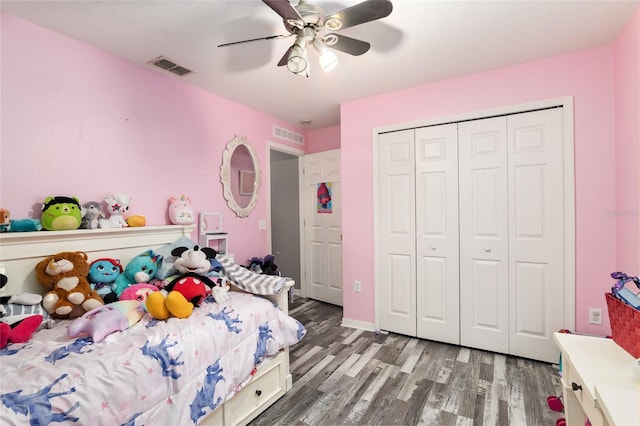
169,65
288,135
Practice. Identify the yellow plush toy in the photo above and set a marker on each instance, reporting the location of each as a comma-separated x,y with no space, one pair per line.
187,290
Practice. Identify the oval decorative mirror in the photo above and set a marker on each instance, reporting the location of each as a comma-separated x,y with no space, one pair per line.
240,176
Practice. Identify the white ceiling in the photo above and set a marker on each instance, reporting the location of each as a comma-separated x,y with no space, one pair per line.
422,41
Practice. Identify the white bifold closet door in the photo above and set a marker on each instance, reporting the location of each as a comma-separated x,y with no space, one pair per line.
437,249
397,232
419,232
470,237
512,233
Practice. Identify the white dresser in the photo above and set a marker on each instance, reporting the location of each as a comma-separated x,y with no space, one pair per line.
598,381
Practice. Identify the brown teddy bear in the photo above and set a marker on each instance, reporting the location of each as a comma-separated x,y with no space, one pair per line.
65,274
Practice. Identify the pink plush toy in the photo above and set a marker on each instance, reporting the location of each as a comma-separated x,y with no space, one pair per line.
180,211
138,292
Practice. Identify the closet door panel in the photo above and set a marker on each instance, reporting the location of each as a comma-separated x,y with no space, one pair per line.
437,281
484,287
396,236
536,229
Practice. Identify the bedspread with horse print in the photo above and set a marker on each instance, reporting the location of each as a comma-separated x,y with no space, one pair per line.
156,372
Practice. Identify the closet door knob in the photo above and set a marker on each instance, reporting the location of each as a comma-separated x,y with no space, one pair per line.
258,392
433,247
487,249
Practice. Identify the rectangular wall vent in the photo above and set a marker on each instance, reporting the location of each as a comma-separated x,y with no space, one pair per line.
169,65
287,135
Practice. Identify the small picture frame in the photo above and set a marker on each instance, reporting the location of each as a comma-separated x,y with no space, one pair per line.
247,182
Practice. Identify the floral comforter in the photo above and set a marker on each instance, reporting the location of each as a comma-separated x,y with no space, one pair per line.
172,372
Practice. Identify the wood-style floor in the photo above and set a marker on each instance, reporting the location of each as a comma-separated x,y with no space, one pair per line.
347,376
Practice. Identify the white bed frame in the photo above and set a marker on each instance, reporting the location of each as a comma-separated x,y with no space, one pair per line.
21,251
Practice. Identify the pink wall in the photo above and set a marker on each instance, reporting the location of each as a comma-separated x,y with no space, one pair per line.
588,76
627,116
325,139
79,121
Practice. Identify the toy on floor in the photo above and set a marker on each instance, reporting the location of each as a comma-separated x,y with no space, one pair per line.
101,322
65,275
187,290
61,213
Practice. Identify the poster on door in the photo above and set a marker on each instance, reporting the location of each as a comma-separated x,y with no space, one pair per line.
324,198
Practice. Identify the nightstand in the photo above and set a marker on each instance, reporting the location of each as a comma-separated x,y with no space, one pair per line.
597,382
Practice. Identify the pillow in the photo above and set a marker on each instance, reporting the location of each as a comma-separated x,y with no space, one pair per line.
168,260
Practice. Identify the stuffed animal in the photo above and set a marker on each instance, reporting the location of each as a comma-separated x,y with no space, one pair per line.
255,265
91,214
140,269
136,220
103,273
180,211
138,292
61,213
25,225
5,219
268,266
65,275
104,320
20,316
117,206
187,290
17,225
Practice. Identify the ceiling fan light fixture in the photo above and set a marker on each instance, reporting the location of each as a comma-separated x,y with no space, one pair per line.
297,62
333,24
328,59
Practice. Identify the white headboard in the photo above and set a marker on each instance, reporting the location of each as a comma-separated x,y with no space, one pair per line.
20,252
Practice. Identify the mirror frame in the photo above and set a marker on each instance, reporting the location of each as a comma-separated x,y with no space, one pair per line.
225,176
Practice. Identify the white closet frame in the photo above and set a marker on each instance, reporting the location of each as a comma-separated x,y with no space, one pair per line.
569,187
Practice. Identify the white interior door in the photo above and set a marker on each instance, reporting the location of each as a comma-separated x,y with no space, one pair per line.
484,234
322,228
437,249
536,232
396,243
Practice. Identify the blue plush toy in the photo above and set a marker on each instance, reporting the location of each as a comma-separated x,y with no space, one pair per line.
141,269
103,273
17,225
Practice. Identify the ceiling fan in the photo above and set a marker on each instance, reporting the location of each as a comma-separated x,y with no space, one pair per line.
312,27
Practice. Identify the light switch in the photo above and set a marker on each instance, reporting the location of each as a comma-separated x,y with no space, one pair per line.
262,224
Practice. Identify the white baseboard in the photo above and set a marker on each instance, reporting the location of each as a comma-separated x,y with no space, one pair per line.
362,325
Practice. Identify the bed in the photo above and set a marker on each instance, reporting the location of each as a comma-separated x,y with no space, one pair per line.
223,365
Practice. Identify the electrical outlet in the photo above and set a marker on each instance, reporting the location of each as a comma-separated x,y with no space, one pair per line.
595,316
357,286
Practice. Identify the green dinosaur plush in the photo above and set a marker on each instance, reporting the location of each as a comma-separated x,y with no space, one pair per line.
61,213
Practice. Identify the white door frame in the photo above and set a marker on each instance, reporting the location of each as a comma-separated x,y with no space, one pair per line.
569,188
274,146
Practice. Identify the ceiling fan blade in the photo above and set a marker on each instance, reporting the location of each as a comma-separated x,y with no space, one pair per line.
288,13
255,39
367,11
283,61
345,44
